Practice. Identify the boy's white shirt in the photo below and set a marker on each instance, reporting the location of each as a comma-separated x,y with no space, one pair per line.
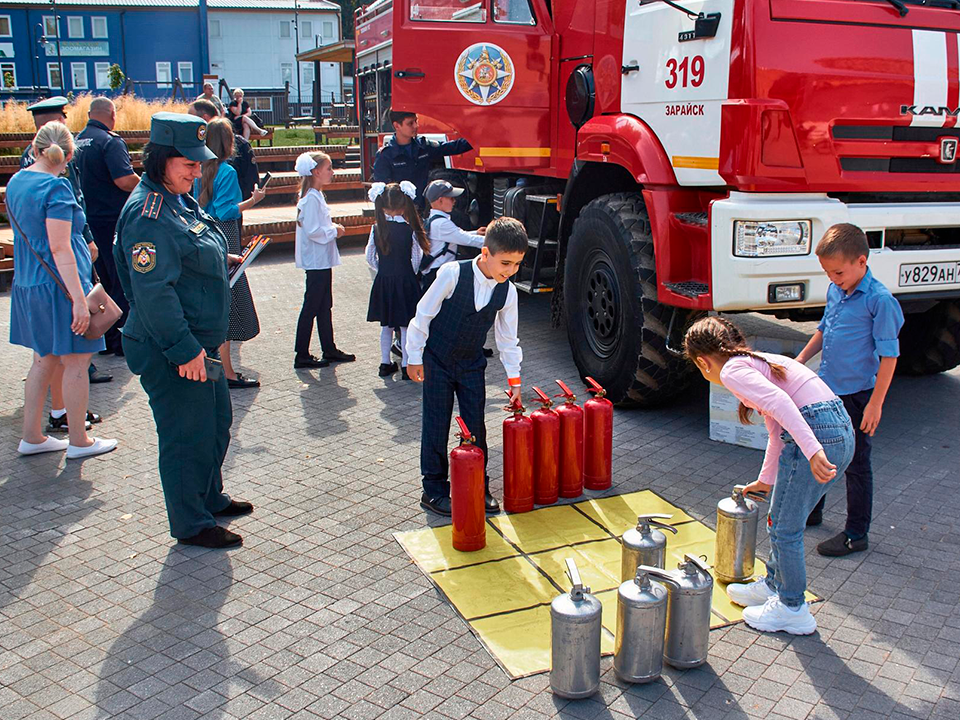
416,254
504,326
316,247
444,230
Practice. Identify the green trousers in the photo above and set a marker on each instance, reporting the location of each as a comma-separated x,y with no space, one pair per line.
193,429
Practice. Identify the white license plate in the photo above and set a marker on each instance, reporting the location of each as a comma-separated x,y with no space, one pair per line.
939,273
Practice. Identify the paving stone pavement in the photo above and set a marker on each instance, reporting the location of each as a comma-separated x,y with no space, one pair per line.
322,615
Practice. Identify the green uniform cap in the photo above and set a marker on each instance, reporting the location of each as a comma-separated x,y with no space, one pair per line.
57,102
186,133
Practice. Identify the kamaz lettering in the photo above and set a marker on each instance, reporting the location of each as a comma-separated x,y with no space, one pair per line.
929,110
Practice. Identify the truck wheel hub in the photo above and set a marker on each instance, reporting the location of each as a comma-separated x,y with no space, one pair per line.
602,307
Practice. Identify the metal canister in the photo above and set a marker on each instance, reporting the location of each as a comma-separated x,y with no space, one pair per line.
575,630
641,623
688,614
736,548
644,545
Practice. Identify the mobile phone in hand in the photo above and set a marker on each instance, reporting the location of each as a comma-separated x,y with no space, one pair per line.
264,181
213,367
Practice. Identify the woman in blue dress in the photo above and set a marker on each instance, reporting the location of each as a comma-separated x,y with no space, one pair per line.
41,316
218,192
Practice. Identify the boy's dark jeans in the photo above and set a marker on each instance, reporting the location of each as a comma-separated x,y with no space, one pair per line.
860,473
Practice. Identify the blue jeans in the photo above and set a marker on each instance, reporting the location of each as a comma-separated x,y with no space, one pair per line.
796,492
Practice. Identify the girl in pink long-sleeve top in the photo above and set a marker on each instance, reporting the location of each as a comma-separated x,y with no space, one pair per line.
811,444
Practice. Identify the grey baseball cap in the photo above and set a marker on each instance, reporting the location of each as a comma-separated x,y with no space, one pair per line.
441,188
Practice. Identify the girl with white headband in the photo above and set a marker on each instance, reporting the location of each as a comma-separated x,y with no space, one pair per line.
396,247
317,254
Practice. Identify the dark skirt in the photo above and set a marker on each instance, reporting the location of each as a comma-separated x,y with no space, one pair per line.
244,323
393,300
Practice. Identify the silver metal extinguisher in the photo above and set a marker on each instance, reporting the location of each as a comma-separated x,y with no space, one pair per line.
644,545
689,596
641,623
736,543
575,640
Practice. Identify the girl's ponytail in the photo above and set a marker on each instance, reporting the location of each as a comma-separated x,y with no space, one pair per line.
412,217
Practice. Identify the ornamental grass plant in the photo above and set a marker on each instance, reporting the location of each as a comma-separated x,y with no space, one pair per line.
133,113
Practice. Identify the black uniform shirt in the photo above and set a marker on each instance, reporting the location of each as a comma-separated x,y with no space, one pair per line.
102,158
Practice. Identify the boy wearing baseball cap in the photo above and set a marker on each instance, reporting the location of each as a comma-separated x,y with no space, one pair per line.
443,234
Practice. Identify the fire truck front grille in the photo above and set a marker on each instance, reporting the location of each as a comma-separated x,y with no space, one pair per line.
897,165
893,149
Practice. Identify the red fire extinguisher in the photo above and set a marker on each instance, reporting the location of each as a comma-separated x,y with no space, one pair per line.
466,493
517,460
571,444
597,439
546,451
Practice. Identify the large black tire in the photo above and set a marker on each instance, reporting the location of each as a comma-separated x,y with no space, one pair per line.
930,341
616,327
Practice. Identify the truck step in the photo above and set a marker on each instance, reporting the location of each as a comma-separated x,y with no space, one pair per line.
527,287
688,288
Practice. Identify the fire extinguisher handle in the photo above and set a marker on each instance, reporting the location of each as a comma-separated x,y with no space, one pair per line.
515,405
542,396
595,387
565,391
464,430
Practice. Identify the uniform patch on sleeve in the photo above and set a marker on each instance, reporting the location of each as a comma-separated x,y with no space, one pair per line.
152,205
144,257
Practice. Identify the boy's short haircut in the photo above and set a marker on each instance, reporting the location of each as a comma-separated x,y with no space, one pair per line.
505,235
845,240
398,116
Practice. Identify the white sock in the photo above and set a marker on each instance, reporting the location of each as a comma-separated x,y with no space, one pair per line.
403,346
386,340
57,414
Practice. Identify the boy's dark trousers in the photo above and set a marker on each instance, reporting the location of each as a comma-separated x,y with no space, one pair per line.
317,303
441,382
860,473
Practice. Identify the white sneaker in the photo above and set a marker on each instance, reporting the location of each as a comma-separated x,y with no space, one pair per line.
755,592
774,616
99,447
51,444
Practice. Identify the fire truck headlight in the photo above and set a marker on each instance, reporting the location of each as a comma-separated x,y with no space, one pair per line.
768,238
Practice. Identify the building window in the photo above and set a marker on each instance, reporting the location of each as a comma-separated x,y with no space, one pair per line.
328,34
286,73
185,73
50,26
53,76
306,29
78,73
102,70
214,28
5,27
75,26
262,104
8,76
284,28
163,75
306,75
98,27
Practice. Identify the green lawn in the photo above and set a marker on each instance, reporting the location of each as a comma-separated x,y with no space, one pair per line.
285,137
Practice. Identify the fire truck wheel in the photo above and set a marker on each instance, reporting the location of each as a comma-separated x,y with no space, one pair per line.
930,341
616,327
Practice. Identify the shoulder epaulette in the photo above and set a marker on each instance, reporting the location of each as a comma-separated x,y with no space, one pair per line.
152,205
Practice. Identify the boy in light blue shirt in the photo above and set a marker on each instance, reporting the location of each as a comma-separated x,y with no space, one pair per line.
858,337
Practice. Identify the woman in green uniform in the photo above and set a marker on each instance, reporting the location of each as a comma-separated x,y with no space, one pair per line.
172,262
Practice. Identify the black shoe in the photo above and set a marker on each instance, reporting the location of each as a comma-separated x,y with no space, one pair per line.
439,505
338,356
840,545
216,537
490,504
395,349
309,361
118,351
815,518
99,377
487,352
403,373
235,509
92,417
60,424
108,351
387,369
242,382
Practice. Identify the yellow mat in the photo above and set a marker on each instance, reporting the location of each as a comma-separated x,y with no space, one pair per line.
504,591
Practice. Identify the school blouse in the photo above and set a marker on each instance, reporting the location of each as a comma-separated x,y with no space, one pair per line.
316,237
779,401
373,260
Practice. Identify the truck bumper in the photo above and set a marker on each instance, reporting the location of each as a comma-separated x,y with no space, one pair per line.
743,283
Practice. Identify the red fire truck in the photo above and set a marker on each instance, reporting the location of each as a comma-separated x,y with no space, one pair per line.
672,159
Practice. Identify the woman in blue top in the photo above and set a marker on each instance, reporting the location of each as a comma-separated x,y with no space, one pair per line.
218,192
41,316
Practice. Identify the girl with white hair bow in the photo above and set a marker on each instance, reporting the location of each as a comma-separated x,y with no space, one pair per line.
317,254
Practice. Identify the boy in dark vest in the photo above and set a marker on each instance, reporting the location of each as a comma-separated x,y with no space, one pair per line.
445,350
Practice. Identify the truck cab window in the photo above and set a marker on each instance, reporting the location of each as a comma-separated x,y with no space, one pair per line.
464,11
514,12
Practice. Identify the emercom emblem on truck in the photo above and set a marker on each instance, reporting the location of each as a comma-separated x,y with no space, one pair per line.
484,74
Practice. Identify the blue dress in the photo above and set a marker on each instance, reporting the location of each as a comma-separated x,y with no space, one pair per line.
40,314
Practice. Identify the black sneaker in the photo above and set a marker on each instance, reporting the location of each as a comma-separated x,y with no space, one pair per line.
439,505
60,424
487,352
840,545
216,537
338,356
309,361
387,369
395,348
815,518
235,509
403,373
97,377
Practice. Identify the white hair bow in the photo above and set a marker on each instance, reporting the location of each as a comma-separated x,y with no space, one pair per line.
305,164
376,190
408,189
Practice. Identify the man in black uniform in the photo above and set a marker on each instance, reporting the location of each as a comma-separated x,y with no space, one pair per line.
107,179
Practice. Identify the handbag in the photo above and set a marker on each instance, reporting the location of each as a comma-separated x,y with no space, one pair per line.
104,311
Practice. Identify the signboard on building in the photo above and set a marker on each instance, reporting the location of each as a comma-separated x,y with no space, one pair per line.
79,48
6,50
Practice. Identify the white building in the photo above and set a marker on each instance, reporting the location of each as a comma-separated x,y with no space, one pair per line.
253,44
